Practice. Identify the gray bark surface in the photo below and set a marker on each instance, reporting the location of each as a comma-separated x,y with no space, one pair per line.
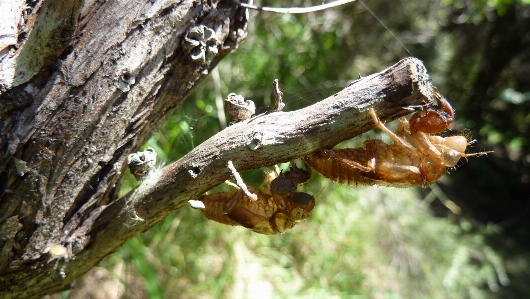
88,83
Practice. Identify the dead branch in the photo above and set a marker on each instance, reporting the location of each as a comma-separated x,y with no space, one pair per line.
263,141
278,104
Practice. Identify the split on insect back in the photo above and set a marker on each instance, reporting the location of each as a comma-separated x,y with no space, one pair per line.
418,156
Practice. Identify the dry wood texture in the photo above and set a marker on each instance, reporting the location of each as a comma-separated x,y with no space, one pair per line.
85,84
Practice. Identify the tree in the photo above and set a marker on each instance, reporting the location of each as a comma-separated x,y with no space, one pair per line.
85,84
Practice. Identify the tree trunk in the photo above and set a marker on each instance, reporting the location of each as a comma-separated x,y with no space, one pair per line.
85,84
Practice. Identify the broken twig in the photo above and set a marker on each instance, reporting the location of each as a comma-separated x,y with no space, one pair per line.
278,104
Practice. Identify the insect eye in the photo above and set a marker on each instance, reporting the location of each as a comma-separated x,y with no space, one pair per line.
302,199
451,157
297,213
304,205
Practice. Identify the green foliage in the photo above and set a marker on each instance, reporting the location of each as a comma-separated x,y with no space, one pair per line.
138,254
476,11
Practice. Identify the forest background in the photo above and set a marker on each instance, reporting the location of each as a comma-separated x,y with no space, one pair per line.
464,237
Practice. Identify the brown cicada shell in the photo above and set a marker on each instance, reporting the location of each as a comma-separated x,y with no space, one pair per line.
416,158
278,208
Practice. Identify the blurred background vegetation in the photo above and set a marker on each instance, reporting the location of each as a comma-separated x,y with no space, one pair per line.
467,236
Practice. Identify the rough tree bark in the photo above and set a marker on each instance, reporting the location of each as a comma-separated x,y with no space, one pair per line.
85,84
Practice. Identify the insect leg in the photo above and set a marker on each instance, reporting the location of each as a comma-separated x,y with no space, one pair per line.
403,128
350,163
347,161
307,168
299,175
443,105
270,176
397,140
277,170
